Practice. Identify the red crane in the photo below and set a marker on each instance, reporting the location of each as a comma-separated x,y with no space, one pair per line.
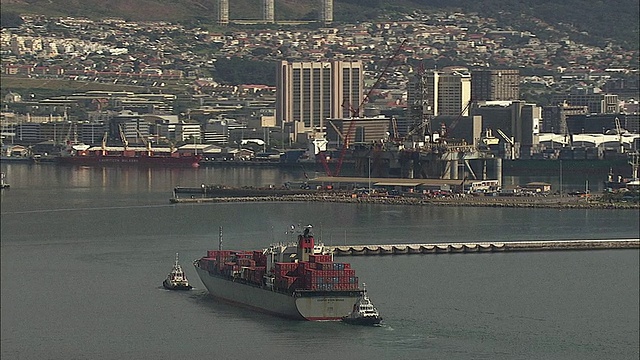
355,113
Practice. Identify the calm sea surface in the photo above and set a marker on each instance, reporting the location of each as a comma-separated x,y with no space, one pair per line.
84,252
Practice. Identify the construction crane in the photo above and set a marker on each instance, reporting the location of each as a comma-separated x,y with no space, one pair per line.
355,113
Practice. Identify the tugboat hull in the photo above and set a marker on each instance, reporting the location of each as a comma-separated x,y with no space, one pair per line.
366,321
170,286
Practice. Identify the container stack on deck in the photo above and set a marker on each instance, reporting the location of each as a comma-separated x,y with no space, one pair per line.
320,273
246,265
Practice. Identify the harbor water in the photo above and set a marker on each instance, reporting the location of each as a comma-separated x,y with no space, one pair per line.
84,252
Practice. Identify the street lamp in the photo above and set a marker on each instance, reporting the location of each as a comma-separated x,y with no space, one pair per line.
369,175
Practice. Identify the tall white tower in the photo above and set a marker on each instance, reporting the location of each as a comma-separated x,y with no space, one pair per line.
326,11
268,10
222,12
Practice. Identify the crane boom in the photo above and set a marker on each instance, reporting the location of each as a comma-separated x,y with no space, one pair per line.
511,142
146,142
125,142
619,133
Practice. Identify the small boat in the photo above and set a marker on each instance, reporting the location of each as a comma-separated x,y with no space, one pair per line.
364,313
176,280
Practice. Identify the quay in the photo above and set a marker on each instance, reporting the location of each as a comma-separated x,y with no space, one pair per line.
485,247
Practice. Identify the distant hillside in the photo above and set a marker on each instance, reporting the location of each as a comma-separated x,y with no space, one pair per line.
597,20
587,20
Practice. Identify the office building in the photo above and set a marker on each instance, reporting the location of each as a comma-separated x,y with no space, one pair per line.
493,84
309,92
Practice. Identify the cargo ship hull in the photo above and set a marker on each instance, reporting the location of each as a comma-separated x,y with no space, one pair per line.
167,161
553,167
299,305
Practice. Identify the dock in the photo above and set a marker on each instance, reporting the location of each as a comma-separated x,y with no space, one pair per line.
485,247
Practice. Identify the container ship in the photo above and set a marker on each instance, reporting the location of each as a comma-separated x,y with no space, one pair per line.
117,155
299,280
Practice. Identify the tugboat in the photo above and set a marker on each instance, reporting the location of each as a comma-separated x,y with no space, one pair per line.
364,313
176,280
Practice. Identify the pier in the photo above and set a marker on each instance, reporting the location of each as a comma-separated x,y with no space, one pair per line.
485,247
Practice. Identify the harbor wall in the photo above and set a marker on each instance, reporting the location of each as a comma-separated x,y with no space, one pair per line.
485,247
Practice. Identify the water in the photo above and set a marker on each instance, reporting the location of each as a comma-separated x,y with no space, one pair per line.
84,252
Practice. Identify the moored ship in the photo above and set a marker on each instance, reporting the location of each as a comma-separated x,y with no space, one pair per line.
298,281
115,155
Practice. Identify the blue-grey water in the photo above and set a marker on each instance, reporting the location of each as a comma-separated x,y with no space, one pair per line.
84,251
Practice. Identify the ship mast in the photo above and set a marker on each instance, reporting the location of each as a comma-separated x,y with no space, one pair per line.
220,238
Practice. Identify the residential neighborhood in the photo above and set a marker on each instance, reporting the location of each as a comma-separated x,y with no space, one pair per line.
169,71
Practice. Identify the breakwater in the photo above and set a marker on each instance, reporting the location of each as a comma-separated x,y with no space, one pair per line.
560,202
485,247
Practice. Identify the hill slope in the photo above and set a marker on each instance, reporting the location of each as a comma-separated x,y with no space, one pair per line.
589,20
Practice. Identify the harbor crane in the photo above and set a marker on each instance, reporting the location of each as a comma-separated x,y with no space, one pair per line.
619,133
125,142
146,142
510,141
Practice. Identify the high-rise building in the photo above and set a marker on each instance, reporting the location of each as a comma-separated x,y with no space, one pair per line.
268,10
446,92
494,84
454,93
309,92
326,11
222,12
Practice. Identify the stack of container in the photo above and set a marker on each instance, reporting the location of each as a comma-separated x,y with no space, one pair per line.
320,273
